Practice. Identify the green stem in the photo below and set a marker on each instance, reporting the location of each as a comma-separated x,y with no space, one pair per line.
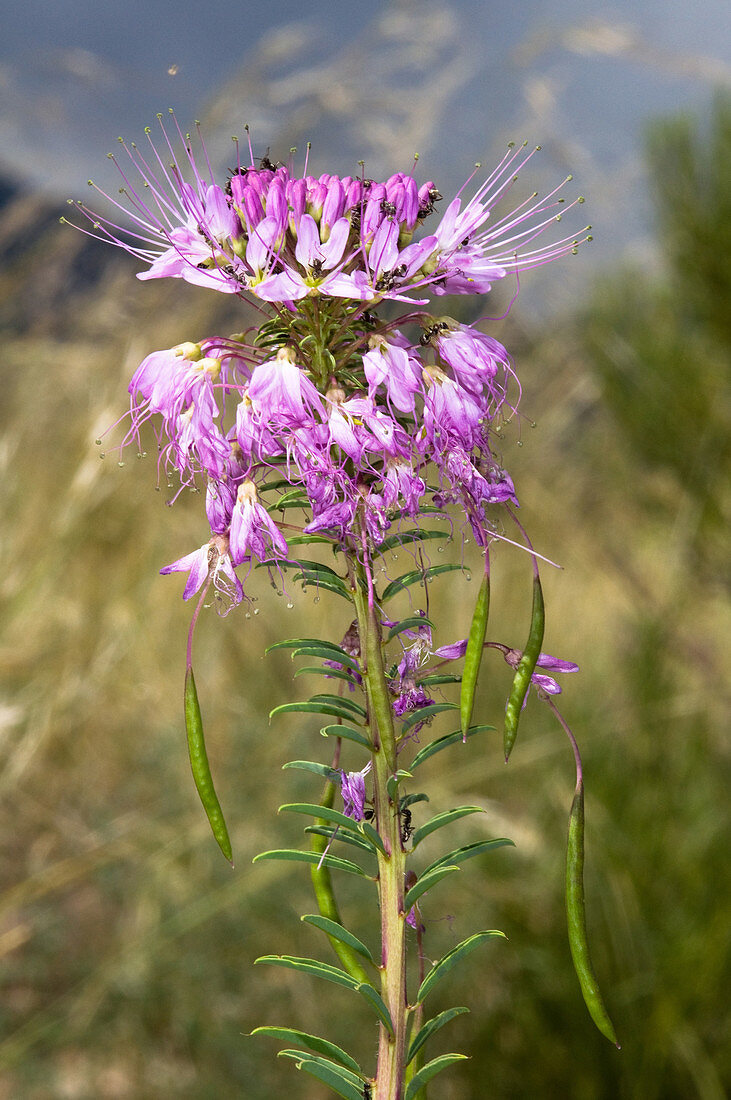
391,867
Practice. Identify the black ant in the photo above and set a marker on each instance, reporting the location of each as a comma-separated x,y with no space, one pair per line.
316,267
406,828
367,1094
241,171
430,333
387,281
428,207
266,164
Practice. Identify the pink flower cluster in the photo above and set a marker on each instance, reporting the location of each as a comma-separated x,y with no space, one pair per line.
357,419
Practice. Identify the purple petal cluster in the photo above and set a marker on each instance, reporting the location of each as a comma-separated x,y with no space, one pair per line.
359,420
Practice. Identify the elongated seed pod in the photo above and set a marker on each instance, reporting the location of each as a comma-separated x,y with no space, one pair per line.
576,919
473,654
200,767
526,668
325,896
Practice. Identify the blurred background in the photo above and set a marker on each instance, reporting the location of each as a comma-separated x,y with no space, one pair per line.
126,941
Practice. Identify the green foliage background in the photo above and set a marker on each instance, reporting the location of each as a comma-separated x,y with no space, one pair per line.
127,942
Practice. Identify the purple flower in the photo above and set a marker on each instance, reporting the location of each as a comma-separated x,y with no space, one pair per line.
545,660
281,393
352,789
411,699
210,560
345,406
393,368
253,532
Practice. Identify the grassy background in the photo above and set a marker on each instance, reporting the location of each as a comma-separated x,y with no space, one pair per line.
127,942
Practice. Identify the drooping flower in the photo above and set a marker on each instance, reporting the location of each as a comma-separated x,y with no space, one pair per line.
253,532
213,560
353,791
539,679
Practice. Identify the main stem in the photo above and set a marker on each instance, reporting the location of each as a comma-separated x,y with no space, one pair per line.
391,867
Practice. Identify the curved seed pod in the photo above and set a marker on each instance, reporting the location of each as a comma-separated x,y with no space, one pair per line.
325,896
526,668
576,919
473,653
200,767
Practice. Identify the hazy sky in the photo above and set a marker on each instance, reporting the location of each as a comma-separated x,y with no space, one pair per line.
580,76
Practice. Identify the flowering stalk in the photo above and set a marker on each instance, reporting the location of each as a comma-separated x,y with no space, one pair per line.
372,430
391,861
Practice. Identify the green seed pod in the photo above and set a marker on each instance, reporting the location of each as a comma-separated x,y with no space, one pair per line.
473,653
576,919
525,669
200,767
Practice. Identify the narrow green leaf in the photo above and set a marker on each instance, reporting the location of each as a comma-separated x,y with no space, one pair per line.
307,540
348,733
317,567
441,820
298,643
330,673
337,710
310,966
318,580
326,813
394,780
430,1028
325,697
333,1077
314,1042
292,855
277,483
410,799
416,576
332,928
450,960
412,622
294,494
403,538
431,1069
326,653
576,919
200,767
314,767
377,1003
424,883
459,855
473,653
526,668
373,836
438,678
342,836
444,743
423,714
